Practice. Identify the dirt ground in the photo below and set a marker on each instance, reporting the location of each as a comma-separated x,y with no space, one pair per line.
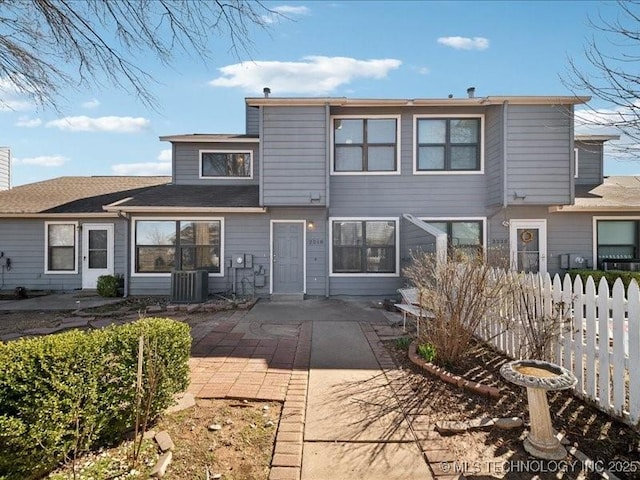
240,450
488,454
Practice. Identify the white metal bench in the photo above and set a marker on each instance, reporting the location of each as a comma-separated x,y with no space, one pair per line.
411,305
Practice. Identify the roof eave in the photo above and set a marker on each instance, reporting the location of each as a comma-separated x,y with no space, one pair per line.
108,214
431,102
206,139
173,210
593,208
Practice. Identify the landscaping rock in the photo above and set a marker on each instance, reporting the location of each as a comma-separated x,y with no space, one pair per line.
161,465
508,423
184,401
480,423
10,336
193,308
451,427
268,424
149,434
154,309
164,441
215,427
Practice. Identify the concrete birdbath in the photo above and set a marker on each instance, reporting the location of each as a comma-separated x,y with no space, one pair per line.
538,377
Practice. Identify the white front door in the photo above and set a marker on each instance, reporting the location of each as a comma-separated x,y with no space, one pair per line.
528,245
97,252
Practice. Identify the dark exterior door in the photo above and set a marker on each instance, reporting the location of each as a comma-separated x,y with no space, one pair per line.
288,257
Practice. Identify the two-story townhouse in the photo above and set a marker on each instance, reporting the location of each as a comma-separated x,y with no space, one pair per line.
319,196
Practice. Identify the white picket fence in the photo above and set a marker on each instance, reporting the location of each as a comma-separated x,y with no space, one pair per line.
598,338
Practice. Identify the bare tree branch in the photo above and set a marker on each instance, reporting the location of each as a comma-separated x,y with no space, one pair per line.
49,45
615,74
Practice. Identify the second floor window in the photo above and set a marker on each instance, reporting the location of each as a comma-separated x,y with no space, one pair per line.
365,144
225,164
448,144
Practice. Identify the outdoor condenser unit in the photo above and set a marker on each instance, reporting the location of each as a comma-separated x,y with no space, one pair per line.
189,286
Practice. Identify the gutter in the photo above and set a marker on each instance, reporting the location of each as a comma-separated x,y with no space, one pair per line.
594,209
59,215
185,210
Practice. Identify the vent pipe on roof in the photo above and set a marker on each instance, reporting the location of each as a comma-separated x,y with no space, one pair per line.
266,91
471,91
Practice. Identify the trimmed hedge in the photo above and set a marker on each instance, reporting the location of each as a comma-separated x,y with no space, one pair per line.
610,275
107,285
76,390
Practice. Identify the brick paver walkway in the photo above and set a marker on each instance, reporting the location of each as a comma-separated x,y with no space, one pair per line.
231,363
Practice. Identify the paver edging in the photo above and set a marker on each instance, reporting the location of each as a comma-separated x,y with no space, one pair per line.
446,376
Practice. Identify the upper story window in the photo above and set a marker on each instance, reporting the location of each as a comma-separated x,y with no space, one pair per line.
61,241
448,144
226,164
365,145
165,245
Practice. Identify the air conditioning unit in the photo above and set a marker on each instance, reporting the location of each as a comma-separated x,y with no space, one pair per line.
189,286
569,261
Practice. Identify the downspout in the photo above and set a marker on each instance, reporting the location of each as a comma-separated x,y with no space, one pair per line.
127,255
327,161
261,153
572,180
505,116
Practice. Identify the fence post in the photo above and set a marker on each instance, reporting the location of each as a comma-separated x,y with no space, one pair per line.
591,325
618,350
633,297
603,345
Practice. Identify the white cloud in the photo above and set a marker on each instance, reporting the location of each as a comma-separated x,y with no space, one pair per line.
165,155
93,103
161,167
11,97
285,11
28,122
465,43
42,161
313,75
100,124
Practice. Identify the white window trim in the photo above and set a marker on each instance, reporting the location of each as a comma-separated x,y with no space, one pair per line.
447,172
397,118
173,219
360,219
210,177
576,162
594,231
304,252
75,249
463,219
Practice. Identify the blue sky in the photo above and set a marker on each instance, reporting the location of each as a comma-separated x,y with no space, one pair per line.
358,49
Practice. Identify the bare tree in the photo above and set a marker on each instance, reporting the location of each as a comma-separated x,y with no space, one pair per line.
48,45
614,73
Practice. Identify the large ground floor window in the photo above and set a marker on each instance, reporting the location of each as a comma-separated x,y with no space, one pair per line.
465,236
618,240
364,247
165,245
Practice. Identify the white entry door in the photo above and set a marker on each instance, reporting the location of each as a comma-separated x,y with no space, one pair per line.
528,245
97,252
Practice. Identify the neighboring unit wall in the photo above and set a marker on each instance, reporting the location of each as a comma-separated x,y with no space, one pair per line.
566,233
494,155
249,234
187,163
589,163
252,120
294,149
5,168
539,154
23,242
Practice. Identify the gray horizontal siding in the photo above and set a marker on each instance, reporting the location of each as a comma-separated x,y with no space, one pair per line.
494,155
250,234
294,150
187,163
23,241
589,163
252,120
539,152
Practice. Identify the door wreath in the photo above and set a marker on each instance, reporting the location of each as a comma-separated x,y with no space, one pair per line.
526,236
